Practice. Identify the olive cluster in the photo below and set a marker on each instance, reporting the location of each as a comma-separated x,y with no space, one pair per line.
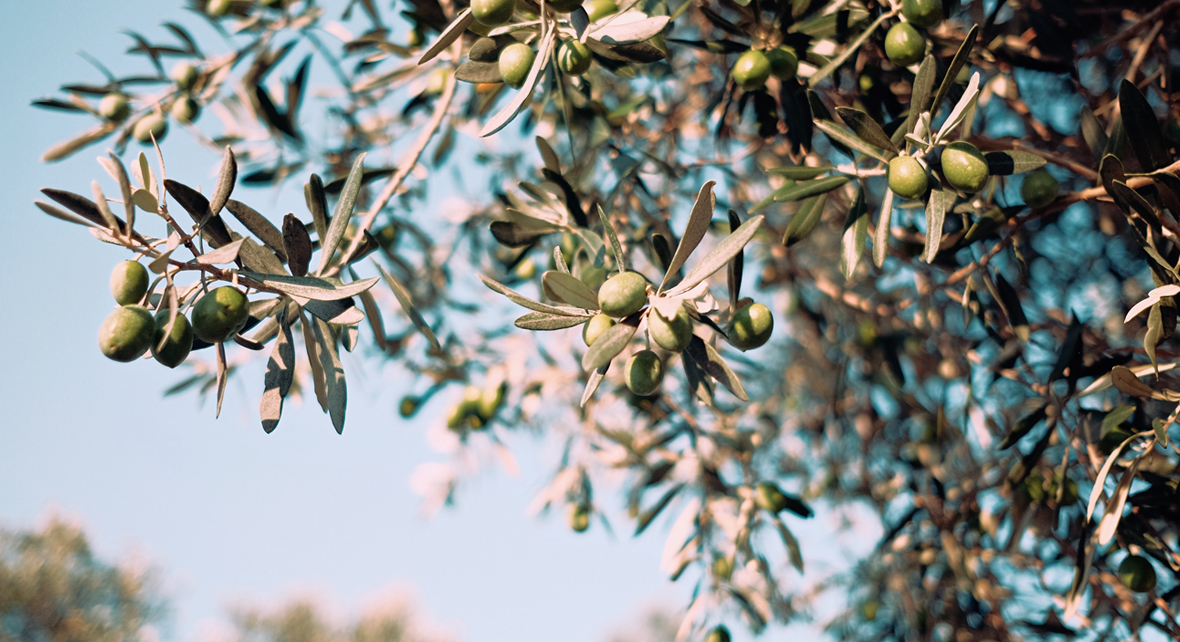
754,67
181,106
904,43
627,293
965,168
477,408
131,330
515,59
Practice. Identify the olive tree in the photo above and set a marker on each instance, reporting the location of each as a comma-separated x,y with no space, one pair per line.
917,258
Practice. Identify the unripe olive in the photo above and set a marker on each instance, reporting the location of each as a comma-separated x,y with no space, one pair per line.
623,294
922,13
185,110
594,328
493,13
784,62
579,518
1039,188
217,7
718,634
114,107
526,269
184,75
644,372
596,9
563,6
751,69
219,314
490,400
964,166
904,45
751,327
129,282
175,348
672,335
769,497
574,58
515,62
126,333
907,177
149,126
1137,573
408,406
722,567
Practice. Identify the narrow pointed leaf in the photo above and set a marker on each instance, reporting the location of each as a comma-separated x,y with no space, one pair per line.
309,287
403,299
800,172
297,244
343,213
719,256
920,98
280,373
569,289
805,219
525,93
259,226
846,137
881,238
337,388
712,364
867,129
317,204
940,203
1007,162
613,238
452,33
952,72
1143,128
698,223
592,384
608,346
544,321
226,178
524,301
856,230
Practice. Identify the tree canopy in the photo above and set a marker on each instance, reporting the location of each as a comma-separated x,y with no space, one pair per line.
915,259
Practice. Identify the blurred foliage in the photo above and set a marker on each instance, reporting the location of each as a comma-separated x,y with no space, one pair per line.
53,589
987,384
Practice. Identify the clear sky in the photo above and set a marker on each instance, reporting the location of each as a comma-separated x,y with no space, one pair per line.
227,512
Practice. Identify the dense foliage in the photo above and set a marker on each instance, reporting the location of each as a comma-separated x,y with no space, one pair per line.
955,227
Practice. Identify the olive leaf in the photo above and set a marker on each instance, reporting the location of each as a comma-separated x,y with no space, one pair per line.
719,256
544,321
224,254
613,238
629,26
856,229
403,299
1143,129
452,33
800,191
259,226
1093,132
213,229
698,223
881,238
1022,427
336,387
1004,163
526,302
846,137
340,311
867,129
317,204
343,213
227,176
711,363
952,72
965,105
280,373
800,172
805,219
940,202
309,287
477,72
608,346
569,289
851,48
920,98
592,384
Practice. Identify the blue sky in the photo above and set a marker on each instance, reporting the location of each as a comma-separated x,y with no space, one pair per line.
227,512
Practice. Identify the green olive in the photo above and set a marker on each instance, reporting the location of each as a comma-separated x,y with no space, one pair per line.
1039,189
408,406
922,13
673,334
718,634
579,518
220,314
768,496
574,58
751,327
218,7
623,294
904,45
644,372
526,269
490,400
515,62
784,62
175,348
751,70
594,328
149,126
129,282
185,110
964,167
563,6
184,75
126,333
493,13
597,9
114,107
907,177
1137,573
